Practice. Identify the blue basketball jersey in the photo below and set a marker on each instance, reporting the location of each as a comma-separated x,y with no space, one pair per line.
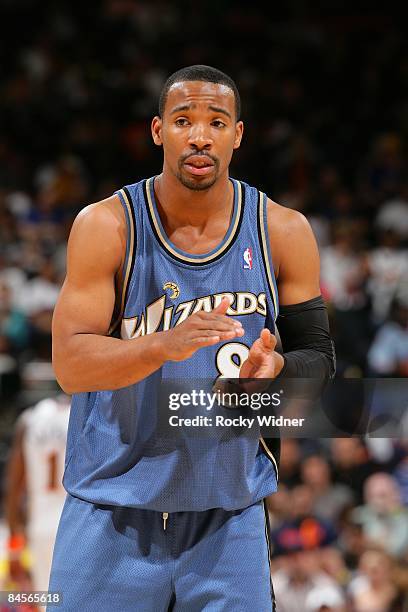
115,453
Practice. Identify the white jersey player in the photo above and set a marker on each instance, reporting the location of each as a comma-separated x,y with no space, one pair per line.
35,496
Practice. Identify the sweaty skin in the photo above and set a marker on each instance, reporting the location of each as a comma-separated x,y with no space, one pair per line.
198,133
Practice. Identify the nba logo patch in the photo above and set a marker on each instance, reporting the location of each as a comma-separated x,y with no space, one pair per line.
247,255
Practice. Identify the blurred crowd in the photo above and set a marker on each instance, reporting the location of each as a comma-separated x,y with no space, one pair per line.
339,526
323,135
325,106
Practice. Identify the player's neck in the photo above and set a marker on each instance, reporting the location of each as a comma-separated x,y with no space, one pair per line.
183,205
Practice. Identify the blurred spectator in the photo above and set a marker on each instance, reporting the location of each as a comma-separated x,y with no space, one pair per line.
382,451
278,506
387,167
301,529
290,461
41,292
299,579
388,267
329,499
388,354
301,501
303,533
351,464
327,185
332,562
62,188
14,330
343,271
401,476
8,224
38,300
343,277
383,518
325,599
373,589
393,216
351,541
13,277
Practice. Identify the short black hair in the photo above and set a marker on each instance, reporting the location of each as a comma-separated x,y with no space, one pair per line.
199,72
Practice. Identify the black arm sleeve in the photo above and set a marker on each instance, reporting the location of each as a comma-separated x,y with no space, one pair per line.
305,335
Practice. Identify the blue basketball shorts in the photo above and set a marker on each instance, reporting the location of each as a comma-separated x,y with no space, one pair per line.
119,559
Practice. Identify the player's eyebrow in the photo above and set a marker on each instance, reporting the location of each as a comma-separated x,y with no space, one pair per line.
218,109
181,107
186,107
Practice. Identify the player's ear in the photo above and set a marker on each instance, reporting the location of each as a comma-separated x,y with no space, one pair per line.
239,130
156,130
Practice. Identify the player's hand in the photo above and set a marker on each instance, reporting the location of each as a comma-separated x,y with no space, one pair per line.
263,361
200,330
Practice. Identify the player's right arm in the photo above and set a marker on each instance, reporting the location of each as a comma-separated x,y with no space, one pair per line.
16,486
85,358
14,506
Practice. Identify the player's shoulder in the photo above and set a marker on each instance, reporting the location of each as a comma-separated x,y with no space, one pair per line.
284,221
25,419
43,407
290,234
99,231
107,213
29,417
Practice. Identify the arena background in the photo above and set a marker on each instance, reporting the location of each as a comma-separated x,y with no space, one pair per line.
325,106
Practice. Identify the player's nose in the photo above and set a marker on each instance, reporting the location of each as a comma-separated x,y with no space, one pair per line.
200,137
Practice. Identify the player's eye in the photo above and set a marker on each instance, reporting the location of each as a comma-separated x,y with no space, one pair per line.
181,121
218,123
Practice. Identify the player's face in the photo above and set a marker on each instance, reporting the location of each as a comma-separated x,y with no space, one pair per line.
198,131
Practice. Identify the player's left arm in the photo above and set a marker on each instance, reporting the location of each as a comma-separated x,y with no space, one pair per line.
302,322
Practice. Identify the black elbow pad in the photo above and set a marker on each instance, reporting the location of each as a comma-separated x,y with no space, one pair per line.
306,342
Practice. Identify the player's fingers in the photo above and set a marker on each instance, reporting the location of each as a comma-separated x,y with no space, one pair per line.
211,316
222,306
220,336
267,339
221,324
273,341
233,333
221,320
201,341
256,352
228,334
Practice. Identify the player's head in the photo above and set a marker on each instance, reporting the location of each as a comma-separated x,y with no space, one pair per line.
206,74
198,125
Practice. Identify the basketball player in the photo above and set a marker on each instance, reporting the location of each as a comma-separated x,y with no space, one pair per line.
176,277
34,493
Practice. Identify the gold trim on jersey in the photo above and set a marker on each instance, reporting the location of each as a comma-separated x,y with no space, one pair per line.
268,545
270,456
130,258
265,250
164,240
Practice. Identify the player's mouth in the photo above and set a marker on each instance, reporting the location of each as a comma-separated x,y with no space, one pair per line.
199,165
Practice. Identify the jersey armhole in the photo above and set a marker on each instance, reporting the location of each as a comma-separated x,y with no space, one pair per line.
271,448
128,264
266,251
